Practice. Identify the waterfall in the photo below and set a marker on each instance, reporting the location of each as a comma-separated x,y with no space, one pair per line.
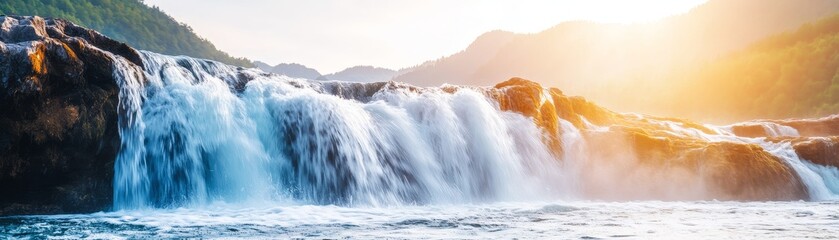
196,131
191,136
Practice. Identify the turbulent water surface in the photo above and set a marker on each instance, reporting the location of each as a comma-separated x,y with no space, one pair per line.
580,220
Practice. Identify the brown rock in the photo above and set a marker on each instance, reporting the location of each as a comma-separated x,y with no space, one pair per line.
632,163
819,150
749,130
526,97
645,157
821,127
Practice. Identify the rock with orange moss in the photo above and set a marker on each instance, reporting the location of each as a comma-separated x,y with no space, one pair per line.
519,95
58,116
579,111
527,98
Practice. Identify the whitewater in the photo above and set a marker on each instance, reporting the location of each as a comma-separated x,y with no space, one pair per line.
519,220
205,153
190,139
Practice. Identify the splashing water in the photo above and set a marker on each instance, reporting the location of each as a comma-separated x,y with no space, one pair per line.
530,220
197,139
196,132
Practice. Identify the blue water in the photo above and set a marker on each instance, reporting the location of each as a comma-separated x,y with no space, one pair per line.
523,220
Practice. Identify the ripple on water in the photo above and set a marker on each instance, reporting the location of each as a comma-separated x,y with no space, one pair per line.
804,214
549,209
583,220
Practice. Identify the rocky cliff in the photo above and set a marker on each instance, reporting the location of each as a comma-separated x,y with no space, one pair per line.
655,158
58,116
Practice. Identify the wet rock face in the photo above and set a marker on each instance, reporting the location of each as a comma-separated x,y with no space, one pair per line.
749,130
22,29
644,160
644,164
635,157
58,116
819,127
529,99
819,150
814,140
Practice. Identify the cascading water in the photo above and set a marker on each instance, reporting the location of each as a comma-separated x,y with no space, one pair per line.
822,182
196,131
195,138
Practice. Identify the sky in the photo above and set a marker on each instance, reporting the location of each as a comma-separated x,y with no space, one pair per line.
331,35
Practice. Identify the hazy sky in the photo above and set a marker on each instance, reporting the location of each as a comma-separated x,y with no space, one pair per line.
330,35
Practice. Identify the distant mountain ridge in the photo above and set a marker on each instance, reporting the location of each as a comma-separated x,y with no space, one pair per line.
362,74
617,64
293,70
457,67
352,74
130,21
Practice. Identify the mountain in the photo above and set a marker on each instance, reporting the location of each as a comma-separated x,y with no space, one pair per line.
352,74
790,74
293,70
129,21
362,74
618,65
262,66
460,66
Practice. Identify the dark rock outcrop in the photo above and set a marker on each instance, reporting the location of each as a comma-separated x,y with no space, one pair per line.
58,116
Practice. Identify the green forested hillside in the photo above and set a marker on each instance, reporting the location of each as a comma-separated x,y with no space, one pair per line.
129,21
795,74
